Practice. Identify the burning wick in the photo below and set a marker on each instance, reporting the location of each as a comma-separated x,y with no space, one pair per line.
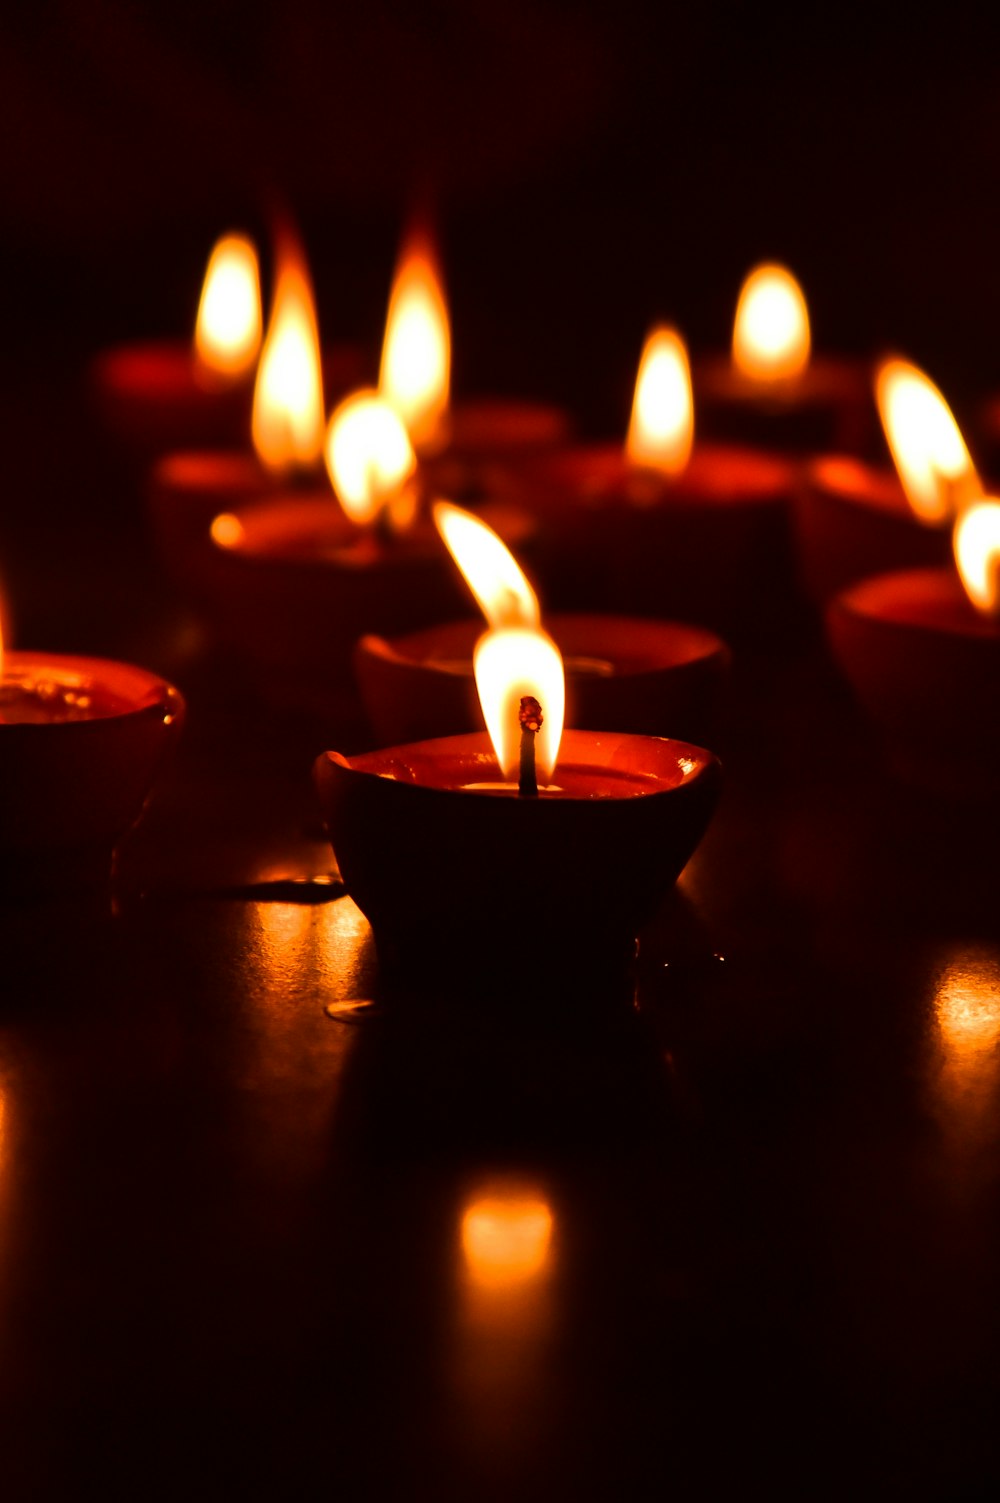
530,719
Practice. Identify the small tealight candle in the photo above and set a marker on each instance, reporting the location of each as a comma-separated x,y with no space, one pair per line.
82,741
921,648
853,520
664,526
530,862
773,390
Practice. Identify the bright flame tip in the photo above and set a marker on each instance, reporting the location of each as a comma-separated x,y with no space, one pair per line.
926,443
976,542
229,324
510,663
491,571
661,430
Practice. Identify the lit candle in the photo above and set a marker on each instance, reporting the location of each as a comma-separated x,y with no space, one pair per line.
772,390
626,674
853,520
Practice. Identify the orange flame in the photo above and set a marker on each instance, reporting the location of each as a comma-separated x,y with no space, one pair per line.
661,431
976,541
489,568
507,1238
228,328
288,397
771,330
416,353
508,664
370,459
927,446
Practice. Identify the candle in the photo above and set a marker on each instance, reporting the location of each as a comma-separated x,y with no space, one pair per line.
626,674
664,526
452,864
82,742
772,390
921,649
853,520
460,443
172,393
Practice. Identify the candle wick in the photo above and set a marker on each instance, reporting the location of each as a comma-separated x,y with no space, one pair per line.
530,719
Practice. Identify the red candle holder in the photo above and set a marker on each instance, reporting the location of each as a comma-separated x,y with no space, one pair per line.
827,407
710,546
469,887
852,521
297,584
926,669
656,678
82,742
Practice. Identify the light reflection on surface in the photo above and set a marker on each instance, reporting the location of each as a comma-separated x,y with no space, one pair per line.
506,1238
304,944
967,1028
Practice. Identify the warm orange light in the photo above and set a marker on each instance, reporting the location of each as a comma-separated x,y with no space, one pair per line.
927,446
228,328
771,329
416,353
661,431
976,541
509,664
288,396
489,568
967,1014
506,1238
227,530
370,459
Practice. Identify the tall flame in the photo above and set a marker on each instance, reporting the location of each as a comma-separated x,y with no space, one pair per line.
927,446
416,353
661,431
509,664
506,1238
228,328
976,541
489,568
288,397
771,330
369,457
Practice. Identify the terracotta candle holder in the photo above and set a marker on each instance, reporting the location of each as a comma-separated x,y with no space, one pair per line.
711,545
827,407
82,742
926,669
475,889
657,678
852,520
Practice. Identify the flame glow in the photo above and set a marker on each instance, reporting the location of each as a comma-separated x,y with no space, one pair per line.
288,397
489,568
771,330
506,1239
369,457
661,431
977,553
416,353
927,446
227,530
228,327
509,664
967,1015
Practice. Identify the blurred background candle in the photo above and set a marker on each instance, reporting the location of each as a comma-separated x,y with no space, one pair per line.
773,390
171,393
854,519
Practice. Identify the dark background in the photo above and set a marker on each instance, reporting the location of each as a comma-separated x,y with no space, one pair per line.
593,167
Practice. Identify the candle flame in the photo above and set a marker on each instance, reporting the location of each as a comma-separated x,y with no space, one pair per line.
507,1238
976,542
228,328
416,353
489,568
771,330
370,459
510,663
661,431
927,446
288,397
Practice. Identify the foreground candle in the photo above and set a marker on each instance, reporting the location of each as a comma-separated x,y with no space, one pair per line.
82,742
772,390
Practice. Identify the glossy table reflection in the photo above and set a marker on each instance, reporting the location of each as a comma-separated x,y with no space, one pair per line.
742,1238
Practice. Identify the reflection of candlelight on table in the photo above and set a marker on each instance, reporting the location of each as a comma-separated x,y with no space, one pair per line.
507,1239
967,1030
